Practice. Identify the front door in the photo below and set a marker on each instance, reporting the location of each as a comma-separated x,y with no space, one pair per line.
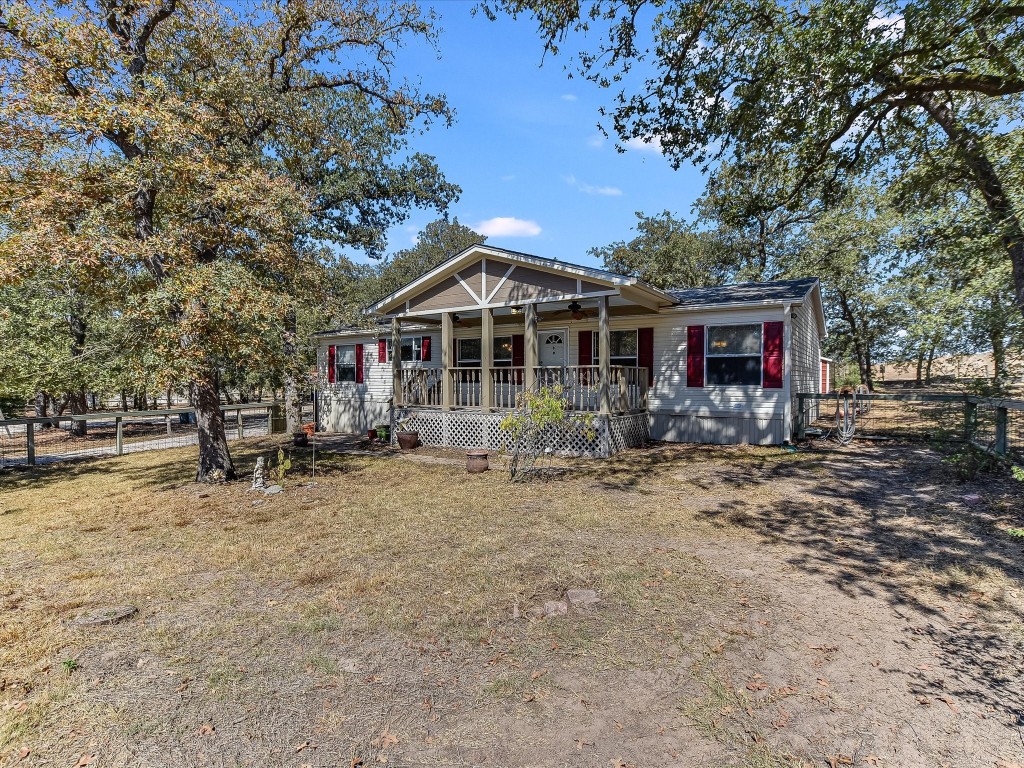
552,348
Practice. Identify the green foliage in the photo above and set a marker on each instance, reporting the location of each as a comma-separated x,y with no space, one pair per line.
969,461
540,421
670,253
69,666
1016,533
1017,472
277,471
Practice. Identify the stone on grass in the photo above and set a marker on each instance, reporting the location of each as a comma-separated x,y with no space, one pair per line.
582,599
273,489
971,499
554,608
100,616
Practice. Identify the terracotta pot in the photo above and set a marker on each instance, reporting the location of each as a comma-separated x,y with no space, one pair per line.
372,434
408,440
309,428
476,461
300,439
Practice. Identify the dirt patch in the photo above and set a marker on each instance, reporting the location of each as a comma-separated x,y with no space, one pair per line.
757,607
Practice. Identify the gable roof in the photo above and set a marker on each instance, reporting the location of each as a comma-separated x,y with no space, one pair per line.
466,256
745,293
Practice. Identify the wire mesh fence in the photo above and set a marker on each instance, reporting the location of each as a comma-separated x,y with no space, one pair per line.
53,439
994,424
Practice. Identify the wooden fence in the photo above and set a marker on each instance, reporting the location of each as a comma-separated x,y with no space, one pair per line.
48,439
994,424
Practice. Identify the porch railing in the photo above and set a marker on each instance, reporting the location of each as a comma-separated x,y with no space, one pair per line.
466,387
627,387
422,387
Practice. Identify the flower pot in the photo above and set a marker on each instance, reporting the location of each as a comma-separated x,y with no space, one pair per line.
300,439
476,461
408,440
372,434
309,428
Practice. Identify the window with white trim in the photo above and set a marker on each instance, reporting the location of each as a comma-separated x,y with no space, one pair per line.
733,354
345,363
470,356
412,349
624,348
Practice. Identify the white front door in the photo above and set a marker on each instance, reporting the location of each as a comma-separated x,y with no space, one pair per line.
552,348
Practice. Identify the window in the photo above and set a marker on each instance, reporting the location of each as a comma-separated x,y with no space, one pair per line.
345,363
623,349
470,357
733,354
412,349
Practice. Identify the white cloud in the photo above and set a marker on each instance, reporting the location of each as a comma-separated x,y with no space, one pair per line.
568,97
644,144
891,27
508,177
590,189
508,226
596,141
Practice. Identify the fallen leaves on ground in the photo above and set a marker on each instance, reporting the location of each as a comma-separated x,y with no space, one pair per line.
85,760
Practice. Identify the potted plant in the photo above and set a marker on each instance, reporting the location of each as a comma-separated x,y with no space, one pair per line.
383,432
407,438
371,433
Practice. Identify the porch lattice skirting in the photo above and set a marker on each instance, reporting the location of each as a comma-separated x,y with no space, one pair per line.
472,429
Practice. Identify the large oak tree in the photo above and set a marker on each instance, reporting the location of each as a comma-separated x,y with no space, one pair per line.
194,156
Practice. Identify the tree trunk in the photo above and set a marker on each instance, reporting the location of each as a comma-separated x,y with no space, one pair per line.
292,406
989,184
928,368
76,397
40,403
920,365
124,400
214,458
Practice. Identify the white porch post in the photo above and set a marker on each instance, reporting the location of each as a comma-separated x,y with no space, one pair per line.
486,357
604,354
396,360
530,347
446,360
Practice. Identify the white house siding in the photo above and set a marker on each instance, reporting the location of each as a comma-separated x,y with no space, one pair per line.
722,415
806,356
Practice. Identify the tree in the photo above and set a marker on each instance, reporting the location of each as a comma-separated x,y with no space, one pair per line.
439,240
670,253
189,157
839,86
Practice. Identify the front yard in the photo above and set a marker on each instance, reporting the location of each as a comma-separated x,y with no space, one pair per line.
757,608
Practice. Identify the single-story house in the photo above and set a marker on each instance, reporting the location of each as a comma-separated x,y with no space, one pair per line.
448,353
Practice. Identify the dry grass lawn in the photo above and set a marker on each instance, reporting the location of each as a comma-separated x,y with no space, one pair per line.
758,608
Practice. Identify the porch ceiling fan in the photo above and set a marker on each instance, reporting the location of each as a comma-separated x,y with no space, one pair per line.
576,310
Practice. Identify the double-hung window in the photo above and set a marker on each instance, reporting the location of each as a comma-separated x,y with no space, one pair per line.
733,354
412,349
470,356
624,348
345,362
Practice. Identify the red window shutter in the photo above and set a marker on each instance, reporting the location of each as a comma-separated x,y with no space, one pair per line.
332,360
695,356
771,364
359,363
382,350
586,348
425,349
645,352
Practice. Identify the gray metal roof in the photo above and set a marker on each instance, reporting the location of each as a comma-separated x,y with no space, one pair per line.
744,293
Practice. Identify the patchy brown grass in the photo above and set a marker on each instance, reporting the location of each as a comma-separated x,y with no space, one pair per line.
386,612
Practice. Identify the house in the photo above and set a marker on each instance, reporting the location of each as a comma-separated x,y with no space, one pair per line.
450,351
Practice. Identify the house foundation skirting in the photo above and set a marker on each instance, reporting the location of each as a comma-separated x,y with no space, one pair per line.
475,429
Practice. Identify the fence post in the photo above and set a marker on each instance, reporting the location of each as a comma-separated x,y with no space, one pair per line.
801,426
970,420
167,419
30,442
1002,422
119,439
241,428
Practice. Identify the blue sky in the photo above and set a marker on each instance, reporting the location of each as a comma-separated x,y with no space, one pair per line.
525,147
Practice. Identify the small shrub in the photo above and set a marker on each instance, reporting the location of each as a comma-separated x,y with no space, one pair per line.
69,666
539,424
969,461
